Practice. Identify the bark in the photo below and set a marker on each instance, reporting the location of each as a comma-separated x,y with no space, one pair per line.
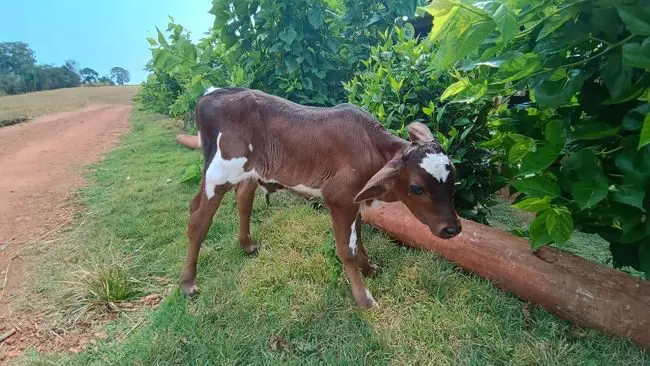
573,288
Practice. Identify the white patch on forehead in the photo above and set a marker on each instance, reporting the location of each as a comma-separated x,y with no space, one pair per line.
353,238
222,171
314,192
436,165
250,147
210,90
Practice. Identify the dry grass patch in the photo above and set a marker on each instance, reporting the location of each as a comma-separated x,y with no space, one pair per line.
32,105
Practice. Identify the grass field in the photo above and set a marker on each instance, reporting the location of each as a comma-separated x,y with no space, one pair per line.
290,304
34,105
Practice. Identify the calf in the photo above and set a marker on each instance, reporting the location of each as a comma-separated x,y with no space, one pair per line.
340,154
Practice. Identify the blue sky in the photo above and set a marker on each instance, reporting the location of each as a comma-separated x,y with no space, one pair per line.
98,34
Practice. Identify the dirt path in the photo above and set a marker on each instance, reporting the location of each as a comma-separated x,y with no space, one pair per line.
40,170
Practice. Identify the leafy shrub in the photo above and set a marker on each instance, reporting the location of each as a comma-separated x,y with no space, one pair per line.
579,151
398,86
300,50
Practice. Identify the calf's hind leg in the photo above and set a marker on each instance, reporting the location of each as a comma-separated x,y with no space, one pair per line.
200,221
245,192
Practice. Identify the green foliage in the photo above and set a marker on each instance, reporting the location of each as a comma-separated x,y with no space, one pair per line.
400,85
300,50
88,75
579,150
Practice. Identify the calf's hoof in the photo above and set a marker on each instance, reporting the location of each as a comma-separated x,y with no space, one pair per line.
189,289
250,249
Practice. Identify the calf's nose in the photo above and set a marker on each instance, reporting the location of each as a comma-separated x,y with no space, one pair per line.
451,231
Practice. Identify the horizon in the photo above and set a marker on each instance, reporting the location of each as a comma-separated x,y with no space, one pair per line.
99,42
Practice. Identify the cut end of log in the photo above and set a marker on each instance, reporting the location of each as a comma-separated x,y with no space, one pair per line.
190,141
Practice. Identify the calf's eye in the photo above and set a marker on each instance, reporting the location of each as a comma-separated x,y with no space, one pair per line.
416,189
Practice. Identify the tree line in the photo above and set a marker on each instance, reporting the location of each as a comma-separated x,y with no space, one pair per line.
19,72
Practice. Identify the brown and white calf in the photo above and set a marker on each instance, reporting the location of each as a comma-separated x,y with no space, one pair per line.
340,154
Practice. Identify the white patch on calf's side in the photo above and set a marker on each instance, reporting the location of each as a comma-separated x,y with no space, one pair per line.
437,165
314,192
250,147
353,238
198,137
222,171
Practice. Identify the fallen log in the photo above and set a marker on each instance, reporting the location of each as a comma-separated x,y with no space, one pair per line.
190,141
573,288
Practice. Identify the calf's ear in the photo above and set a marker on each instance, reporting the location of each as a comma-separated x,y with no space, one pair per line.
419,132
382,182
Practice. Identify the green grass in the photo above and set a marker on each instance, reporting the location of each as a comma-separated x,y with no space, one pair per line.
290,304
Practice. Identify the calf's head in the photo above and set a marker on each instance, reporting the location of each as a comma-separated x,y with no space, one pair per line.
422,177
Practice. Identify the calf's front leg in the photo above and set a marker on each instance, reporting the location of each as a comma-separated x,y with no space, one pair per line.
200,221
368,269
344,222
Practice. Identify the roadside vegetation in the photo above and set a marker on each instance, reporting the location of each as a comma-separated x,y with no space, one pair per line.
288,304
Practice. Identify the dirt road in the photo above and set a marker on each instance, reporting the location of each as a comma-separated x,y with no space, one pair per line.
41,168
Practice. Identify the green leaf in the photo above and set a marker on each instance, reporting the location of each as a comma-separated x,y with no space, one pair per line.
553,94
637,54
644,139
456,48
559,224
291,63
152,41
617,77
541,159
589,192
288,35
594,130
471,94
556,21
630,195
396,85
518,68
633,120
506,22
192,173
636,18
520,149
455,88
539,235
533,204
161,38
316,19
537,186
555,133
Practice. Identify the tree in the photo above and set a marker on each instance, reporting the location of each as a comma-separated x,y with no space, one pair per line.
15,58
105,80
88,75
72,65
120,75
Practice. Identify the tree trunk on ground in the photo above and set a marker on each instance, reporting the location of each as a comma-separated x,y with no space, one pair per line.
190,141
569,286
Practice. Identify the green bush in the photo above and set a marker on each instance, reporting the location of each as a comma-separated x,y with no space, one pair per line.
398,86
579,151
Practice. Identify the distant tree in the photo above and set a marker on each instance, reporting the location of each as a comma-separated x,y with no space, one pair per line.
105,80
15,58
72,65
88,75
120,75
